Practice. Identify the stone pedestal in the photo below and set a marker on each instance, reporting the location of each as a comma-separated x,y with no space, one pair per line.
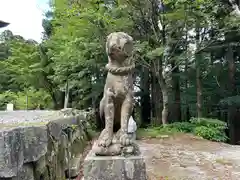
114,167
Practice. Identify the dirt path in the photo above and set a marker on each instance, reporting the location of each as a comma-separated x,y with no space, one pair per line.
185,157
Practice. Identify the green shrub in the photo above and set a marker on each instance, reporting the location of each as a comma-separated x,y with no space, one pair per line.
207,128
30,98
7,97
182,126
210,133
208,122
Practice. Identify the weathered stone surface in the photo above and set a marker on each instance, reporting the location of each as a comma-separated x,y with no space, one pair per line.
39,167
116,149
21,140
21,145
25,173
40,139
73,171
114,167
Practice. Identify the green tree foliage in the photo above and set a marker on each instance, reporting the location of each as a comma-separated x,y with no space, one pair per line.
28,99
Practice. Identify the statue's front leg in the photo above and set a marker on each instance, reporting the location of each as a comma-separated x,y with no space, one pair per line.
106,136
126,112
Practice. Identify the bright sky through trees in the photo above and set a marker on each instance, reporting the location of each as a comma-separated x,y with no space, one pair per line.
25,17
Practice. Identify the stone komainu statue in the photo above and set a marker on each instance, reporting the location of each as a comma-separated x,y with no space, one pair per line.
117,103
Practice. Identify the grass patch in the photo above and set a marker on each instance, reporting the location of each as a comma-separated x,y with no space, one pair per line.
211,129
155,132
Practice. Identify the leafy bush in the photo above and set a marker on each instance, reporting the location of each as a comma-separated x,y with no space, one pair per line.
211,129
209,133
208,122
7,97
182,126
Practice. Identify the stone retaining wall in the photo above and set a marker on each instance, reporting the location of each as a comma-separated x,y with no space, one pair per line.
42,145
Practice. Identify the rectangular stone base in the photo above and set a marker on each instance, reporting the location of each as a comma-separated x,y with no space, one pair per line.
114,167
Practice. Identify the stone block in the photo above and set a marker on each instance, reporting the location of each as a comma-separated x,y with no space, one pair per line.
31,141
114,167
39,167
74,169
25,173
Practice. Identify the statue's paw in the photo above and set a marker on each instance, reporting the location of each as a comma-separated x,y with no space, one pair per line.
125,140
105,142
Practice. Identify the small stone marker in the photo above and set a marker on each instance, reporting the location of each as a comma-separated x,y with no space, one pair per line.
9,107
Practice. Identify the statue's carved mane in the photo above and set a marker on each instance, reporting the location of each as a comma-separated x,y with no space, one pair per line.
120,70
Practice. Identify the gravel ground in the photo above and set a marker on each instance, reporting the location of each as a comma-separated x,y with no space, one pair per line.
185,157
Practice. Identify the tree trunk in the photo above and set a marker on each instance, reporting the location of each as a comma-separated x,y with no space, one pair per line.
58,100
199,89
177,94
164,89
187,110
161,79
55,102
198,73
145,97
70,101
232,91
186,116
165,100
157,102
153,94
66,95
